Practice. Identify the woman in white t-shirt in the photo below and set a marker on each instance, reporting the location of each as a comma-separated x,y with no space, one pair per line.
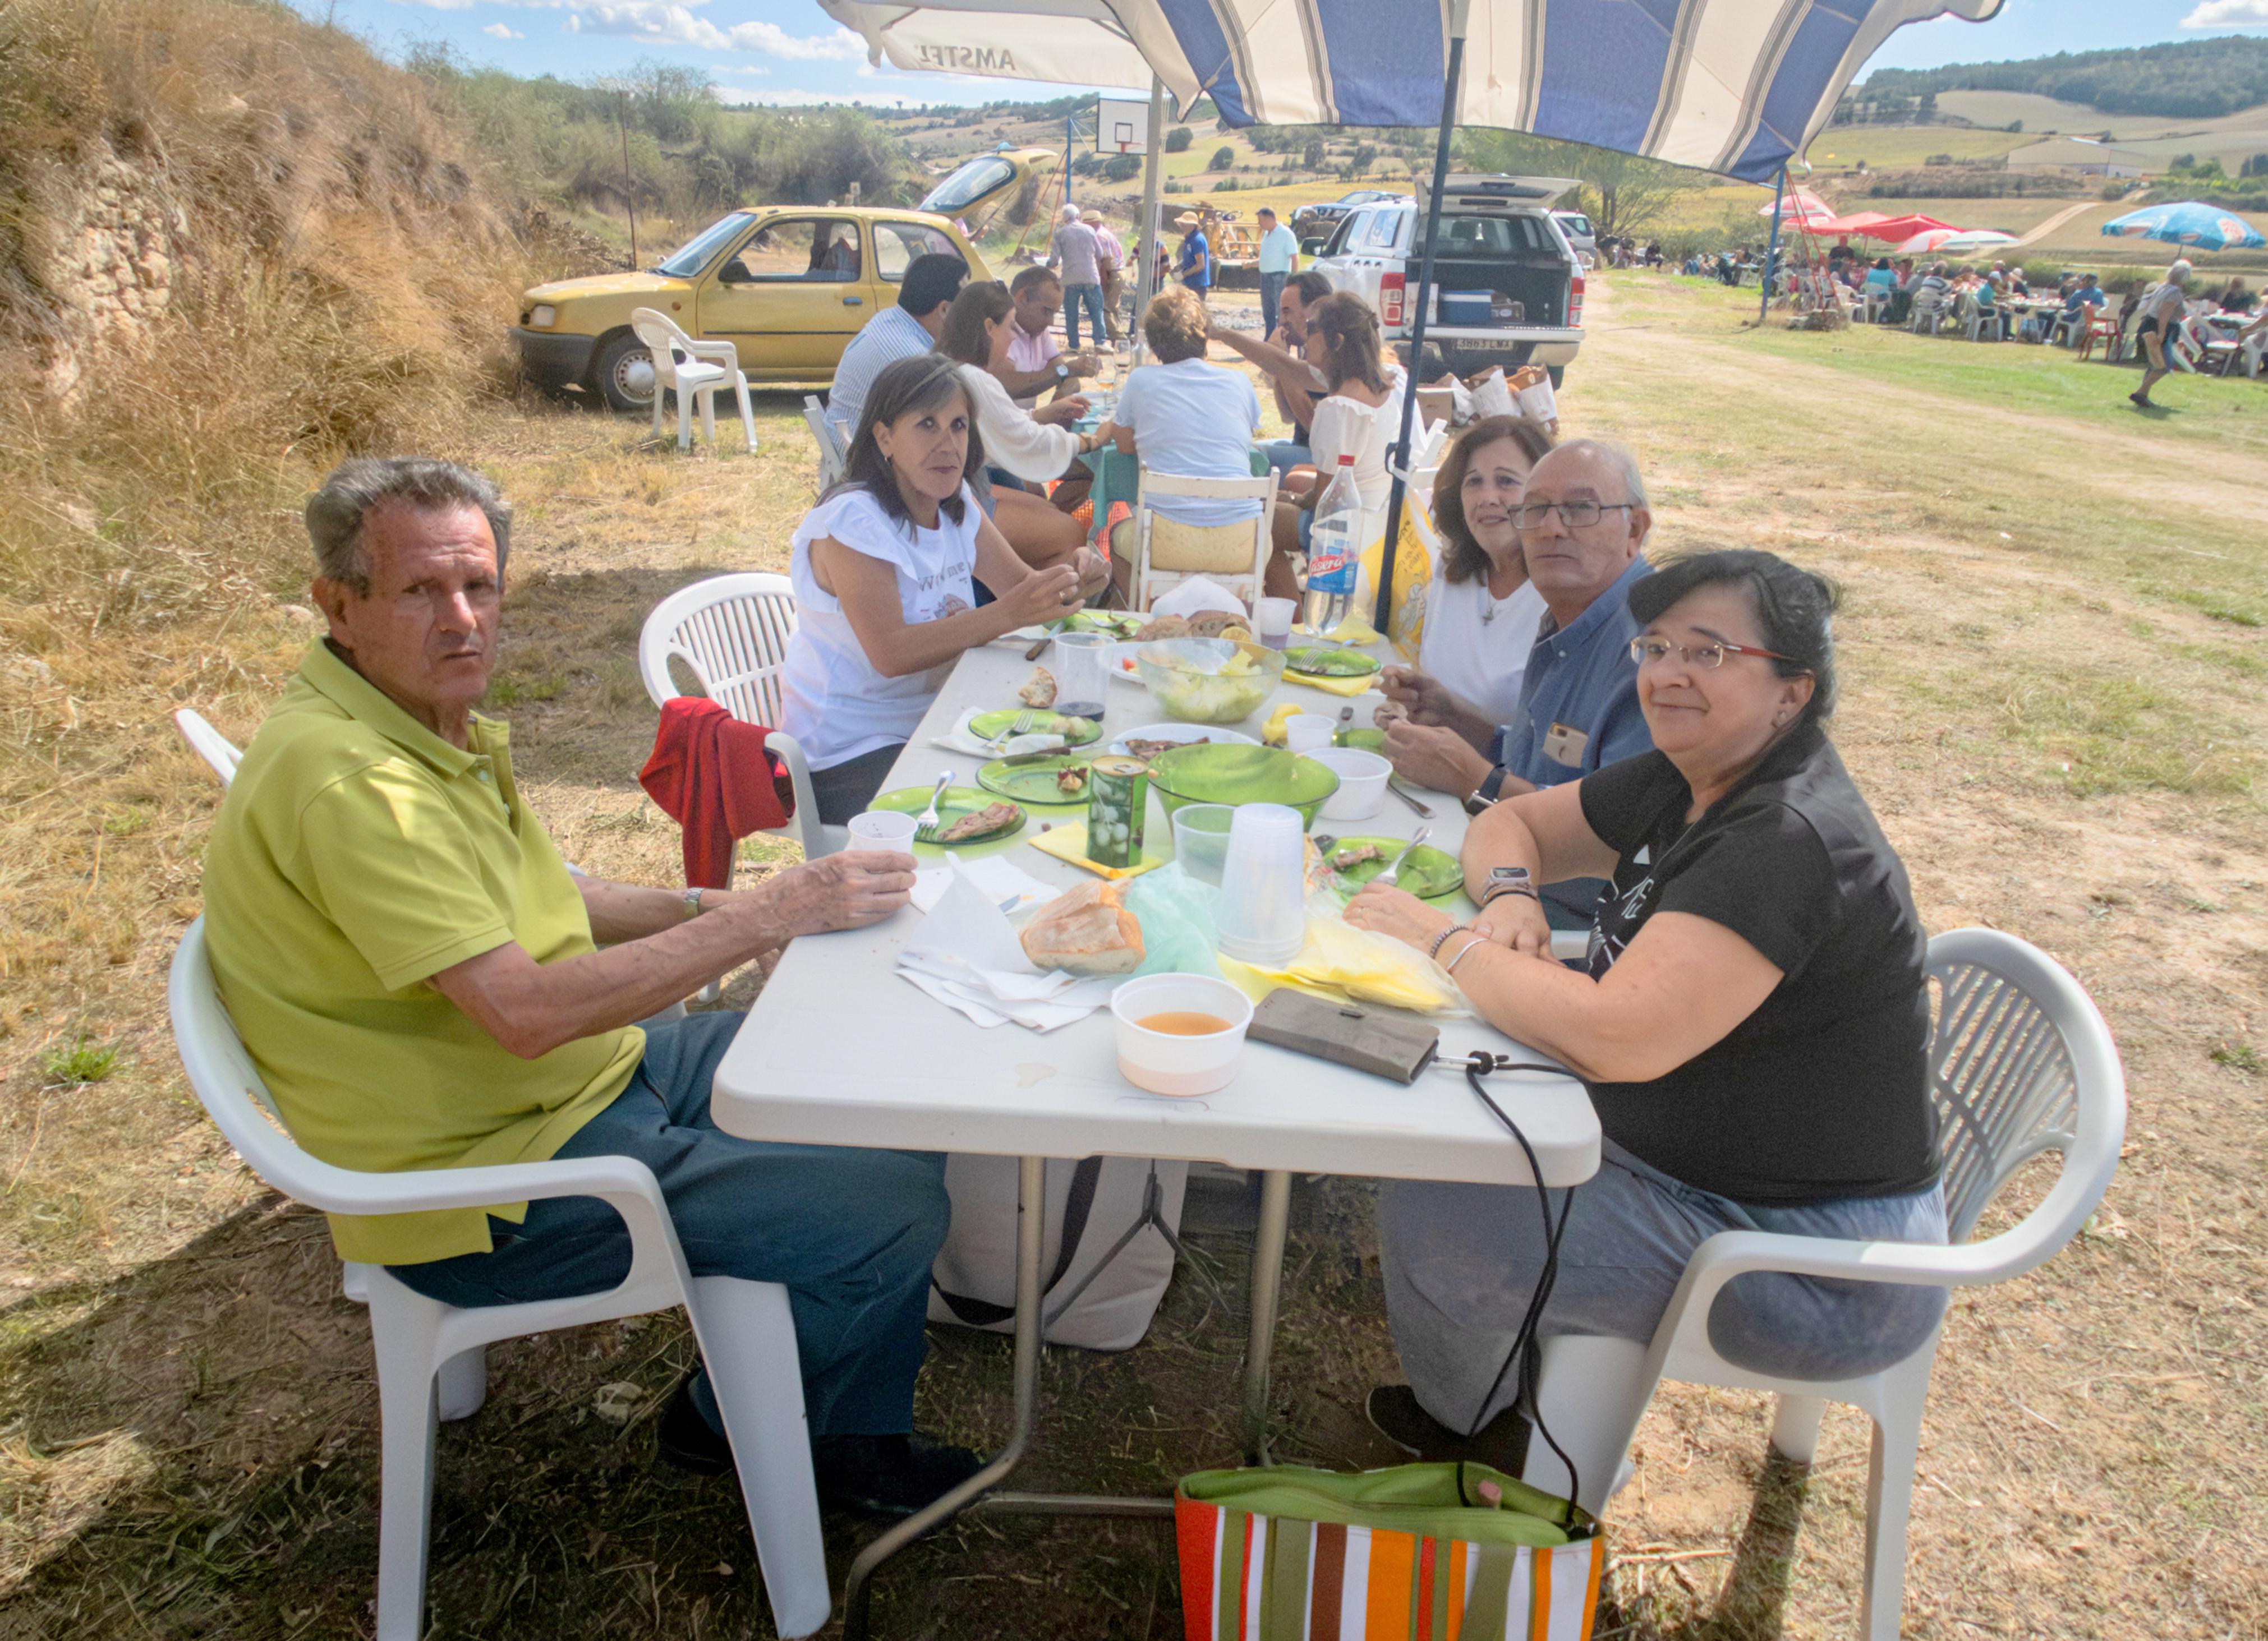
883,570
2163,307
1360,417
1482,612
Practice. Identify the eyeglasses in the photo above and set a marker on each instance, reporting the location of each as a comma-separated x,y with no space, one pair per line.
1573,515
1646,647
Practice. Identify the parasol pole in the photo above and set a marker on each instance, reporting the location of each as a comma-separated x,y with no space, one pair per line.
1145,248
1771,256
1398,462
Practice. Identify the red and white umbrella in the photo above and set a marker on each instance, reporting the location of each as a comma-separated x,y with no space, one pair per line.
1955,241
1801,206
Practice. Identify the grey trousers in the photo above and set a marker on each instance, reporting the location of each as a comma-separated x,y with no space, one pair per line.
1460,1263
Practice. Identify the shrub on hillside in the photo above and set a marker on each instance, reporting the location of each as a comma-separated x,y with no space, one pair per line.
1222,159
1178,139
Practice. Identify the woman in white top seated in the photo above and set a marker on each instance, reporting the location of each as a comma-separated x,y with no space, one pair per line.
1035,445
1196,420
883,570
1482,611
1358,418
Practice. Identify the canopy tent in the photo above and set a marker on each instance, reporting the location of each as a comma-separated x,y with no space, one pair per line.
1873,225
1734,87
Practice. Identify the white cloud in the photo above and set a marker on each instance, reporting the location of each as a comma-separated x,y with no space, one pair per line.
667,21
498,31
2228,14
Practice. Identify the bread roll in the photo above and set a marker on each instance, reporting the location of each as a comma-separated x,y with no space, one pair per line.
1040,689
1085,930
1164,626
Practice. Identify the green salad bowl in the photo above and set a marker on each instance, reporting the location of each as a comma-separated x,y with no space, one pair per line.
1222,772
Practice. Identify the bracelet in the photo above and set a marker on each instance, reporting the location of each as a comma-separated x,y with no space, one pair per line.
1498,891
1461,955
1434,950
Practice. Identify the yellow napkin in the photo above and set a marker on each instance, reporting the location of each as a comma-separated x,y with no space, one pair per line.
1353,630
1068,842
1360,685
1341,962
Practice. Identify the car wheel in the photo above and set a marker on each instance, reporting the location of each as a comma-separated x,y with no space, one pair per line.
623,374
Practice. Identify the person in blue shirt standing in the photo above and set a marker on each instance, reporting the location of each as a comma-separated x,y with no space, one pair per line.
1279,254
1583,524
1196,264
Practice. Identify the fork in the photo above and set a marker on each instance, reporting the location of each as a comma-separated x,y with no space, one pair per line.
1394,872
1024,724
925,828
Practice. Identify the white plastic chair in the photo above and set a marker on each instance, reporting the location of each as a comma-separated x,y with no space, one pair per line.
693,371
432,1358
1928,313
1153,484
731,631
833,450
2020,1062
1976,320
210,744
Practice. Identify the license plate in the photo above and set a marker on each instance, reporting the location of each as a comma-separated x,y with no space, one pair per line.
1471,344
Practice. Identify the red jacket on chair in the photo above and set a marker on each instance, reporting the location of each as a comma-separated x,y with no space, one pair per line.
710,773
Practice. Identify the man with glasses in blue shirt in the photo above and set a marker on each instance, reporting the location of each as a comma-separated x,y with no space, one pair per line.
1583,524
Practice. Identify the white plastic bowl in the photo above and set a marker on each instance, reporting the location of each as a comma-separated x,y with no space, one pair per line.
1166,1063
1362,782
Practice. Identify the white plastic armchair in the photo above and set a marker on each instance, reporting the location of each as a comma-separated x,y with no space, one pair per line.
834,447
219,753
2021,1064
732,633
431,1357
1149,577
693,371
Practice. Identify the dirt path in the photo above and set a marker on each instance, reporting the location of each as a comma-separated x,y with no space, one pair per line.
2054,222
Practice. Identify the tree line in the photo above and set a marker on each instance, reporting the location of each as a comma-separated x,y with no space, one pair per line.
2183,79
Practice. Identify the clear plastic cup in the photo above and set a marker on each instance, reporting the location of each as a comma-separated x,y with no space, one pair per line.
1310,732
1263,916
1201,839
884,828
1271,620
1081,666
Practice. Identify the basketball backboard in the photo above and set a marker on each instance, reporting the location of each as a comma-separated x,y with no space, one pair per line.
1122,126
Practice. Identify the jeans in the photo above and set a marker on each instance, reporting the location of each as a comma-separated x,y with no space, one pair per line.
1271,292
1090,297
1283,454
852,1233
1461,1262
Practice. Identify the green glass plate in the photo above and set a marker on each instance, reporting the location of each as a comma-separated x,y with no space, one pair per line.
1034,783
1363,739
1118,625
1075,731
1429,874
958,801
1319,661
1216,772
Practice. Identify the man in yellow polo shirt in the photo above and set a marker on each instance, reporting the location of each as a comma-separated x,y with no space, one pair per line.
419,978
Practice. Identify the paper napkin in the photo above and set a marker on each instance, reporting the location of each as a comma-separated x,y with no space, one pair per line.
1000,881
968,958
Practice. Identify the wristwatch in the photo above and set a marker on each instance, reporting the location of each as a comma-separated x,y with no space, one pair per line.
1505,880
1063,372
692,901
1482,796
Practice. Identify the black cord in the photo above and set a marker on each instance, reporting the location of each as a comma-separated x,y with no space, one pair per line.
1525,1347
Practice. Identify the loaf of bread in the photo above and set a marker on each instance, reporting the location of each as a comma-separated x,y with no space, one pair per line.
1163,627
1085,930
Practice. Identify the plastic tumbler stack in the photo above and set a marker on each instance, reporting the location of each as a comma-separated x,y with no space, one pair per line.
1263,914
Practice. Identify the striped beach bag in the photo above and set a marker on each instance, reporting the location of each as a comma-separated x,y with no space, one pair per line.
1419,1552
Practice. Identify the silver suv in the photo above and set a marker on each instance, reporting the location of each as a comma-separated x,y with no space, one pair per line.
1508,286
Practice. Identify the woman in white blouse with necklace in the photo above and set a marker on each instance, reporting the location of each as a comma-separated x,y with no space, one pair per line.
1482,612
1358,418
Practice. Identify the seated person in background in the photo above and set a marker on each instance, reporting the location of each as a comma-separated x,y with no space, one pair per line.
905,331
1035,444
415,971
1583,524
1881,276
1035,363
2237,298
1182,415
1300,387
883,568
1481,610
1359,416
1751,1020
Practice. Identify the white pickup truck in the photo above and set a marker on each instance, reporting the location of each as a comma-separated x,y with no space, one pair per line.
1507,285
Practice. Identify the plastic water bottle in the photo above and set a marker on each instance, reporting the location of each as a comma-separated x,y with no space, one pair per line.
1334,548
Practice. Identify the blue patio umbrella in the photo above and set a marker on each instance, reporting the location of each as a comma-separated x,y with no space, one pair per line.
2205,227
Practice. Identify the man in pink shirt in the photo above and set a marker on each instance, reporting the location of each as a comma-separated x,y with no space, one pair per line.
1034,361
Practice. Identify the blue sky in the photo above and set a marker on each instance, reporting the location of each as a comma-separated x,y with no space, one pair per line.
789,51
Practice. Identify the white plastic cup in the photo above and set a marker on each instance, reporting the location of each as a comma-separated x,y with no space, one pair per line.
1271,620
1201,839
1082,676
1310,732
1264,917
884,828
1362,782
1172,1062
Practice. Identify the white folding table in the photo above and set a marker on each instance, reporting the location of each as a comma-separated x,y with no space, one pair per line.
837,1050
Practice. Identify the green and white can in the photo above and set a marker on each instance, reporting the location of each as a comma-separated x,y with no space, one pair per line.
1117,795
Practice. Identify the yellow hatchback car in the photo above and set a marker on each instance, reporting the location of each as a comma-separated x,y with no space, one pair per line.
788,286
